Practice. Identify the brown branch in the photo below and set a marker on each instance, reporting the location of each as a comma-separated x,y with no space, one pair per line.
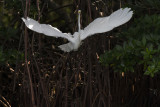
26,60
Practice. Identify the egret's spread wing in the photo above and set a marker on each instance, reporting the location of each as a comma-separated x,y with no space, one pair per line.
45,29
104,24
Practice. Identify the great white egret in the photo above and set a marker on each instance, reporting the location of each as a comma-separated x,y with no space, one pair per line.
99,25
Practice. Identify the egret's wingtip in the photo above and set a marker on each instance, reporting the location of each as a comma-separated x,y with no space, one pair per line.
23,19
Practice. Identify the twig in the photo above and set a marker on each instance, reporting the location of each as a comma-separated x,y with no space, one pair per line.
26,61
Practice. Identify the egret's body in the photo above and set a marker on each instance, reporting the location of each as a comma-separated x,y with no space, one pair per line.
99,25
73,45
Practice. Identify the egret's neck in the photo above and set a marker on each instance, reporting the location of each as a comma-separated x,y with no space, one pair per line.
79,16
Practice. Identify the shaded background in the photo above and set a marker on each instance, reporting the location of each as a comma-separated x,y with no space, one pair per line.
34,72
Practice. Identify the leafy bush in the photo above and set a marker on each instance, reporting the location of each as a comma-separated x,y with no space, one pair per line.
10,56
141,50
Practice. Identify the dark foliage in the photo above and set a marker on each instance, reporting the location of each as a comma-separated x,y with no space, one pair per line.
35,73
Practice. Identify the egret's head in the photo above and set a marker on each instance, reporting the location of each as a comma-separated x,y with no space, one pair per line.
79,11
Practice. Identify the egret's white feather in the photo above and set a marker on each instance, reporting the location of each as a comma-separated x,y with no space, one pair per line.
45,29
99,25
66,47
104,24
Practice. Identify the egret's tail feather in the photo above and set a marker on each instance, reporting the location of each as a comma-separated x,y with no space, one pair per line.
66,47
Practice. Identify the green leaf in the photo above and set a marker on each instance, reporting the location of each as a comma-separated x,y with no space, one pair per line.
118,47
144,41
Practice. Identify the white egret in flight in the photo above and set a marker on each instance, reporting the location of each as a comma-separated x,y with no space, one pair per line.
99,25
